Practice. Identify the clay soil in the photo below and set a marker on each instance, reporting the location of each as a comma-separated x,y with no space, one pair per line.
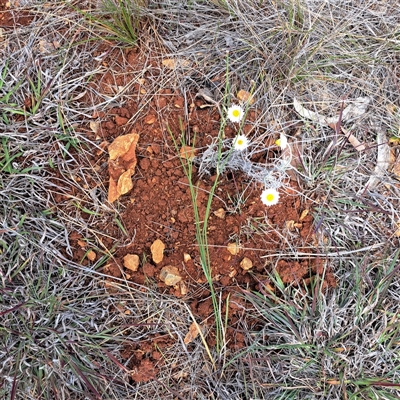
160,206
10,18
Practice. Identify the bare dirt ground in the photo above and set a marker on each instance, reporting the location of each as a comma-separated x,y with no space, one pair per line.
159,207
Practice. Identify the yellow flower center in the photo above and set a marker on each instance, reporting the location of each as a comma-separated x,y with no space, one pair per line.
236,113
270,197
240,142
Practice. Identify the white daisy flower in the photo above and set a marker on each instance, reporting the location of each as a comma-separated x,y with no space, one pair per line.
282,142
240,143
270,197
235,113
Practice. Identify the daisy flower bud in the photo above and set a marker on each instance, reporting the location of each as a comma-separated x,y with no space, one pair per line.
240,143
235,113
270,197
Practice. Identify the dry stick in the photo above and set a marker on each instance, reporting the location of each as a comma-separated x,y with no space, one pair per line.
338,127
353,140
383,159
333,254
203,339
335,122
174,392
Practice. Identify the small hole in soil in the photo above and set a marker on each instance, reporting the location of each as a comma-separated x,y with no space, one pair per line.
229,176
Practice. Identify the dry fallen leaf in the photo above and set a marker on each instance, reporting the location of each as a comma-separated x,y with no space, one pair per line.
169,63
94,126
207,95
292,155
82,243
397,232
355,109
246,97
157,251
46,47
304,214
187,152
394,156
396,169
121,165
194,330
352,139
394,140
182,374
173,63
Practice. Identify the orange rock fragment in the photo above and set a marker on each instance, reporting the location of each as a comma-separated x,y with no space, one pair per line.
157,251
131,262
91,255
170,275
220,213
246,264
121,165
150,119
233,248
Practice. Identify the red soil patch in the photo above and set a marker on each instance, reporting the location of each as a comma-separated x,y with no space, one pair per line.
145,358
160,207
9,17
